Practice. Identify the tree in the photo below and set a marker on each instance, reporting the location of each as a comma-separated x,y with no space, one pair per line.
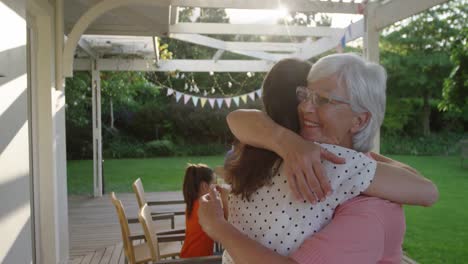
455,91
415,55
119,88
78,99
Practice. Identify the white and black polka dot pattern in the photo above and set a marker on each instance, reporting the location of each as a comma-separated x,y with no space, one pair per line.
276,220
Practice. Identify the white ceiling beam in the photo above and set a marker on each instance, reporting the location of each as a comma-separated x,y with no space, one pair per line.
325,44
263,46
292,5
396,10
219,44
84,45
173,65
255,29
318,47
125,30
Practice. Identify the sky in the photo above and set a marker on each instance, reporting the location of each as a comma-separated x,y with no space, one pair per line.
243,16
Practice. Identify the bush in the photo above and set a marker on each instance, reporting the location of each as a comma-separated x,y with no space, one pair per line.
201,149
118,149
160,148
435,144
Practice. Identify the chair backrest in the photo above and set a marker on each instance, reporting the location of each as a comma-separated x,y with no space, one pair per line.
139,192
150,231
124,228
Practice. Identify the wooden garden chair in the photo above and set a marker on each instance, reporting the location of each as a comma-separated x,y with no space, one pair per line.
153,239
141,199
139,253
134,253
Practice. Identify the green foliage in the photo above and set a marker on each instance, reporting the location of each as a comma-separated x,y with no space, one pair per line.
397,115
414,52
435,144
158,148
121,147
455,90
78,99
120,88
201,149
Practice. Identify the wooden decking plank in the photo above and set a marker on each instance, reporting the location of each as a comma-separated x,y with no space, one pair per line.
98,256
116,254
107,255
122,258
76,260
87,258
93,223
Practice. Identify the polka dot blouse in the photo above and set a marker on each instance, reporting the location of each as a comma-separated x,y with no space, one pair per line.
275,219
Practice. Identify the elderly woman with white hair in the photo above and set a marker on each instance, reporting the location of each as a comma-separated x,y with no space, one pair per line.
343,105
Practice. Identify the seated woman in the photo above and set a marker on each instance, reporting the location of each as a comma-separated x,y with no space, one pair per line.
197,180
262,207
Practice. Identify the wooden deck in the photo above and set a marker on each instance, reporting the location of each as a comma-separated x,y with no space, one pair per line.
94,227
95,233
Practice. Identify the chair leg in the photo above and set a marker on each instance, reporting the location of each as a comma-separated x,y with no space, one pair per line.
172,222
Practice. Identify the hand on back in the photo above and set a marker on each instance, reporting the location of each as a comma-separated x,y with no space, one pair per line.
303,167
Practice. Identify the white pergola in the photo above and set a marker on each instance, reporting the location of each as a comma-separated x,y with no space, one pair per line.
122,35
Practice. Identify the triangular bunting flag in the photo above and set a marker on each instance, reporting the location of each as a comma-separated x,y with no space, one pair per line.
186,98
236,100
228,102
259,92
177,96
202,102
169,91
220,102
252,96
244,98
212,102
195,100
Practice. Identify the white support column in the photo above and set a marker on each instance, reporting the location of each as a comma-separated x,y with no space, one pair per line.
371,50
97,130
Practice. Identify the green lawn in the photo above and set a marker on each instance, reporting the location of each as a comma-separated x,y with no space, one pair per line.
434,235
439,234
157,174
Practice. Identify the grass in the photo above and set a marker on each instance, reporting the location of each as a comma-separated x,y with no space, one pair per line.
434,235
157,174
439,234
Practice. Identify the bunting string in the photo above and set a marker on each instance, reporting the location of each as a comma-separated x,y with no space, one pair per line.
213,102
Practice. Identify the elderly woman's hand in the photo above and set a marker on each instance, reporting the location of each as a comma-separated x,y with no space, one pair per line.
210,213
306,175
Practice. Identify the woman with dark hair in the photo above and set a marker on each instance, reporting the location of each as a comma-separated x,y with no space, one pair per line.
262,206
251,168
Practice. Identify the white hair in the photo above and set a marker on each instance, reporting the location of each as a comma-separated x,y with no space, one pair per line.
365,83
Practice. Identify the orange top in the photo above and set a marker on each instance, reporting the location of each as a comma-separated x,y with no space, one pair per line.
197,243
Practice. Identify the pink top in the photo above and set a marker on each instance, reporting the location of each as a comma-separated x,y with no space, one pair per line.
364,230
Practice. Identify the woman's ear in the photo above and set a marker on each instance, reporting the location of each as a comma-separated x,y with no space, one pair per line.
360,121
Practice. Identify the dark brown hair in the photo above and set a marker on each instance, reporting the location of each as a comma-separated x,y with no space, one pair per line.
195,175
251,168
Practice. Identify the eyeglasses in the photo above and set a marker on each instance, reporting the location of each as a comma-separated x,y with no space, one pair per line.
305,94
